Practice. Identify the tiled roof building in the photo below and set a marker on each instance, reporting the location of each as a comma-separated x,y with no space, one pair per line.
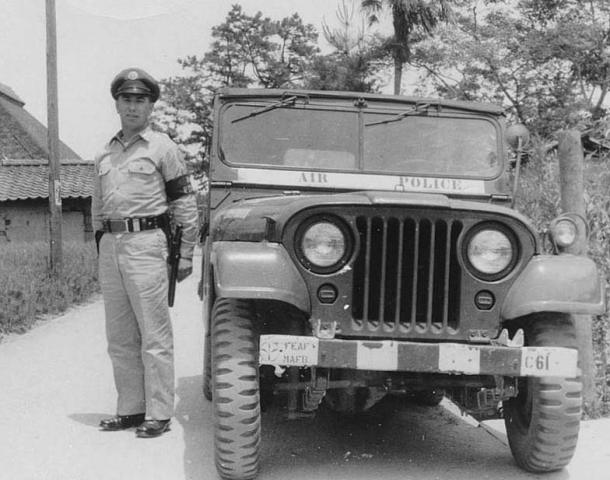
24,179
21,135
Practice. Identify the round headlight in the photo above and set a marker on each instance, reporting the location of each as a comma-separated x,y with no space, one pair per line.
490,251
323,244
564,232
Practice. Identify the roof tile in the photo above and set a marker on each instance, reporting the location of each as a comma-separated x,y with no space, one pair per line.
27,179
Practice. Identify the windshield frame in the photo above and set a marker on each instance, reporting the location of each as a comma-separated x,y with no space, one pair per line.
396,112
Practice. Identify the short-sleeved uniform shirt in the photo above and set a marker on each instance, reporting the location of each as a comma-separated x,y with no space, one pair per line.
130,183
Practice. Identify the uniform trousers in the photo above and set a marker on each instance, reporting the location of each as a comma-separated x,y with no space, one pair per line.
134,281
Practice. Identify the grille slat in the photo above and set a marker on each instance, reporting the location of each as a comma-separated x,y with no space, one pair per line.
401,237
384,258
415,275
406,277
447,269
430,277
367,270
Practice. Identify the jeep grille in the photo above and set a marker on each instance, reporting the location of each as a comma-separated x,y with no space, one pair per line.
406,275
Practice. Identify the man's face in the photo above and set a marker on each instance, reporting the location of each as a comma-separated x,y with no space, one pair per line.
134,111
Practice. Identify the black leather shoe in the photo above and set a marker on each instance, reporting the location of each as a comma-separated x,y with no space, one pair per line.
121,422
152,428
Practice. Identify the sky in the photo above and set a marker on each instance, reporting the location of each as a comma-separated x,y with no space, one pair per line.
98,38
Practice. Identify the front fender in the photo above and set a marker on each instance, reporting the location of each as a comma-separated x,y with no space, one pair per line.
258,270
563,283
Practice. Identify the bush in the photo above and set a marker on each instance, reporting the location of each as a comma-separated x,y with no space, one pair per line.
539,200
598,217
28,290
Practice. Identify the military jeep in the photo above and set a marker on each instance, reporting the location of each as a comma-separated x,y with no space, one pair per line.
362,245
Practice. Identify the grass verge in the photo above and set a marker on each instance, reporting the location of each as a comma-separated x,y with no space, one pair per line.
28,291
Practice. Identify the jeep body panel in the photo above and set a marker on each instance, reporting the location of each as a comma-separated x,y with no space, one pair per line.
566,283
264,218
257,270
253,256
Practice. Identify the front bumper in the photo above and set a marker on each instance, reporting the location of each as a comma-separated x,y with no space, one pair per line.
389,355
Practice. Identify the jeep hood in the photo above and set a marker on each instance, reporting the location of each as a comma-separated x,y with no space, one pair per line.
263,219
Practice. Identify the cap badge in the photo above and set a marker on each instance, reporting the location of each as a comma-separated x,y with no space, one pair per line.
133,75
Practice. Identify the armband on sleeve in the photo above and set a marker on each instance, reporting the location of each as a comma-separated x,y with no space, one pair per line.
178,187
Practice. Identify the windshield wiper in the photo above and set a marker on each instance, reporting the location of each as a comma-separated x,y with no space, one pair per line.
412,111
282,103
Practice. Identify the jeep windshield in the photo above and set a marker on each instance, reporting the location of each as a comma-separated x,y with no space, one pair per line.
396,139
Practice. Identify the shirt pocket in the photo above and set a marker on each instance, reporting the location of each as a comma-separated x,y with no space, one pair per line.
141,166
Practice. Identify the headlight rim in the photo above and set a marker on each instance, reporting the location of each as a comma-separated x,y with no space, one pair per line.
556,235
581,233
508,233
305,225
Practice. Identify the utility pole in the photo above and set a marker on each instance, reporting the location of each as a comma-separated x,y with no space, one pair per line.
571,168
53,143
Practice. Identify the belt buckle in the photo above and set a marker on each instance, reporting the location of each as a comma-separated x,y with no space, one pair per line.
135,225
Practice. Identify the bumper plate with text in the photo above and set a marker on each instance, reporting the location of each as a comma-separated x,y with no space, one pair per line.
301,351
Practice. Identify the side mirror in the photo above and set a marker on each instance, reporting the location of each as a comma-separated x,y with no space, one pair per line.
517,136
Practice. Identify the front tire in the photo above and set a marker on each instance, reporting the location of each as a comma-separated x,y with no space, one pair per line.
236,393
543,420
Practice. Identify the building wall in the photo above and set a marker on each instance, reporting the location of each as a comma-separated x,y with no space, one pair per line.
29,221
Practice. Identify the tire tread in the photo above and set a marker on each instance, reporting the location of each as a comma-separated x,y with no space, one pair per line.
235,390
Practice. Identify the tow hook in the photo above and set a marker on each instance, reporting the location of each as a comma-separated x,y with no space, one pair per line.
503,340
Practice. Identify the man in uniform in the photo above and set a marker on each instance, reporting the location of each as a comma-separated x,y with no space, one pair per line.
141,188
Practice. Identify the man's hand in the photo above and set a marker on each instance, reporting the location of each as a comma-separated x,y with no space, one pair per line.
185,268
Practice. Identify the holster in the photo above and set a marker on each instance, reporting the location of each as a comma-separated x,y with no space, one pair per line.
174,258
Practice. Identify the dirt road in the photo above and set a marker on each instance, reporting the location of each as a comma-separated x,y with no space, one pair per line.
56,385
